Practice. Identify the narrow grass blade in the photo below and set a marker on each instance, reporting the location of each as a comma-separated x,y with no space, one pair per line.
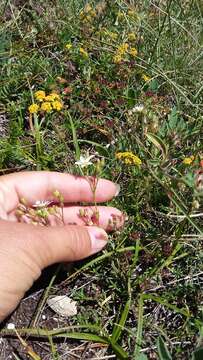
198,354
97,260
163,302
16,357
39,309
162,350
139,327
120,353
55,355
84,336
119,327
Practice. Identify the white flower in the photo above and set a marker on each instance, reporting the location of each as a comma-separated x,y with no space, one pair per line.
84,161
138,108
11,326
41,204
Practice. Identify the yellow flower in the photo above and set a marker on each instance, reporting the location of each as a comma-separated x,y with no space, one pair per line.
133,52
123,48
40,95
46,106
33,109
129,158
117,59
69,46
57,105
188,160
146,78
83,52
131,37
52,97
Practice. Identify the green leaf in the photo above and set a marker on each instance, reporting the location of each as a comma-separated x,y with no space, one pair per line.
159,143
198,354
54,352
84,336
142,357
119,327
173,119
162,350
153,85
118,350
139,326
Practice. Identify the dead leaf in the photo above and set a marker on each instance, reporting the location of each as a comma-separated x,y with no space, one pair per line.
62,305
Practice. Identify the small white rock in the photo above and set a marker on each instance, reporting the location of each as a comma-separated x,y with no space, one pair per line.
11,326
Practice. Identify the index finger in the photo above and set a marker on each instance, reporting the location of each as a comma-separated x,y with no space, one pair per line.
40,185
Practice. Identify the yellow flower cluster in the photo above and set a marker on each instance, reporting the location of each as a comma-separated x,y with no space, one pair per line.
188,160
122,51
129,158
146,78
68,46
88,14
45,103
133,52
83,52
33,109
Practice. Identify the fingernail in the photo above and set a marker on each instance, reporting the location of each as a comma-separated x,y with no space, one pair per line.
117,189
98,238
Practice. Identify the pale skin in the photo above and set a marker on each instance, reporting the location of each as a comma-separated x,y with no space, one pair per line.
26,249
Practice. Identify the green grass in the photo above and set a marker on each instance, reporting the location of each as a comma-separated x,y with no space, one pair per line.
147,283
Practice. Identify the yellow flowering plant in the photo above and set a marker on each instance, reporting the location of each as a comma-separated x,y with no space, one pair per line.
133,52
188,160
46,106
40,95
123,51
46,103
33,108
128,158
146,78
68,46
83,52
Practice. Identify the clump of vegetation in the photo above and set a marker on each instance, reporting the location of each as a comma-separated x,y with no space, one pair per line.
121,81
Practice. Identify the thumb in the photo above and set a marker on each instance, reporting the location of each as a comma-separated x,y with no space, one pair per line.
70,243
26,249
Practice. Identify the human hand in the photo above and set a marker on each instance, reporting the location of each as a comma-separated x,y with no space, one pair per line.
26,249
